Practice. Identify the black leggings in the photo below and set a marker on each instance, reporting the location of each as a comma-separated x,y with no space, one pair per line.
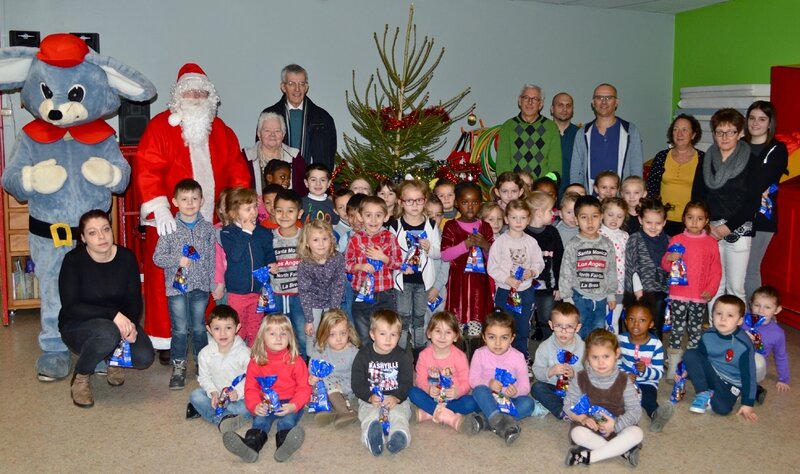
95,340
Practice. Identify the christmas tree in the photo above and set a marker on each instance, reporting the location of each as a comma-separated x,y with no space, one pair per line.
400,129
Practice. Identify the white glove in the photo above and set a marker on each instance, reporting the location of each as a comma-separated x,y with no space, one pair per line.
46,177
101,172
165,221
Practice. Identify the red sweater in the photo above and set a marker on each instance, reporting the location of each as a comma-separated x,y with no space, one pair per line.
703,267
292,383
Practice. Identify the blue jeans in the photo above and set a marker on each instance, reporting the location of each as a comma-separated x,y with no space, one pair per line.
545,393
347,304
544,305
593,313
649,398
412,304
187,311
95,339
290,306
362,312
202,403
488,405
463,405
285,423
704,377
522,322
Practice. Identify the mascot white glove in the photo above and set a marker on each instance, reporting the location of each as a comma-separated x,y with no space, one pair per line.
165,221
101,172
46,177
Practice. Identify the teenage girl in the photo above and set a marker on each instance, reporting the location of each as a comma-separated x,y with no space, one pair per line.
248,247
615,212
610,388
275,353
507,188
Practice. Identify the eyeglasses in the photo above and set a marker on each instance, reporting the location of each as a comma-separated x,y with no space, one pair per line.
725,133
562,328
300,85
604,98
272,132
530,99
416,201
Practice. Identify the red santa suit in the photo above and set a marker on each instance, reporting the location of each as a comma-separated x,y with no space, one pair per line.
163,159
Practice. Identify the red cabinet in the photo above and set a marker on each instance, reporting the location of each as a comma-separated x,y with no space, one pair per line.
781,265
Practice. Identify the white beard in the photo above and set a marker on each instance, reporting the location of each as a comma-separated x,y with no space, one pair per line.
196,118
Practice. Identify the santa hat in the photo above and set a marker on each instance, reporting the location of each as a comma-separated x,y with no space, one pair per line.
190,77
62,50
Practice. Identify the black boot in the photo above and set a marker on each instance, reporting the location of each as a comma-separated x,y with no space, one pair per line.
505,426
288,442
248,447
191,412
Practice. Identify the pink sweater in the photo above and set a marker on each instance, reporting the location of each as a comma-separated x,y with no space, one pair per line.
459,249
703,267
484,363
508,253
456,362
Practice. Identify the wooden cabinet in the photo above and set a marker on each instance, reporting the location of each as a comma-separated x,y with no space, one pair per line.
20,282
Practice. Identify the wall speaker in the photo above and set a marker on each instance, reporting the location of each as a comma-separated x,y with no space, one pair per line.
133,120
24,38
92,40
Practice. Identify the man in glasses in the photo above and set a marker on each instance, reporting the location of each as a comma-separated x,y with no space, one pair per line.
607,142
529,142
310,128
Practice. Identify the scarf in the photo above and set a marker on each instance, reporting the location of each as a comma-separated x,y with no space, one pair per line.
656,246
263,159
716,172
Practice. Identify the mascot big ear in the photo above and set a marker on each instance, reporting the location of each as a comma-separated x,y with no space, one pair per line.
125,80
15,63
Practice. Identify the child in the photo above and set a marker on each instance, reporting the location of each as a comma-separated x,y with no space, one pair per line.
187,306
766,302
614,213
643,360
610,388
546,185
377,243
453,406
468,299
337,343
284,271
498,332
507,188
320,276
567,226
387,191
354,218
492,213
268,194
342,230
221,363
412,284
248,247
360,185
317,205
576,188
221,261
689,303
511,251
546,235
643,259
384,366
527,181
606,185
588,276
722,367
278,172
565,322
446,192
274,354
633,190
434,211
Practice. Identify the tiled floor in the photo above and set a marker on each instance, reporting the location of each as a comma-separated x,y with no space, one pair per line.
140,427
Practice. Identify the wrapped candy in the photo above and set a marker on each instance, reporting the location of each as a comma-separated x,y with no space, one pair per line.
366,291
753,321
585,407
269,397
319,397
414,251
679,390
475,263
266,297
667,327
766,202
504,404
610,320
562,383
225,396
383,412
122,355
435,303
514,299
677,272
622,319
445,383
179,282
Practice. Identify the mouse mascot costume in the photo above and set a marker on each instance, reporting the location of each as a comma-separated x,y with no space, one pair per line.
186,141
67,161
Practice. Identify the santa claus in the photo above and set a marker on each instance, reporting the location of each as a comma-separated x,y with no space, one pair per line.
186,141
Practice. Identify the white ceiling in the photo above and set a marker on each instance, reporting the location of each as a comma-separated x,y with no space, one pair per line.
654,6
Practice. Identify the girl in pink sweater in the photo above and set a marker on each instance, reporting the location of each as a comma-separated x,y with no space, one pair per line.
442,383
703,273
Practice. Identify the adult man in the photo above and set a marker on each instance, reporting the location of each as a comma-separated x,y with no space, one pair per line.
185,141
608,142
529,141
561,109
310,127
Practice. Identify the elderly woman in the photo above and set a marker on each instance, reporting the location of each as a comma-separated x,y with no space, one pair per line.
101,305
269,146
673,171
728,173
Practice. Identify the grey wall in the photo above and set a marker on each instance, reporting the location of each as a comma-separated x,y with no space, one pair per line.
492,46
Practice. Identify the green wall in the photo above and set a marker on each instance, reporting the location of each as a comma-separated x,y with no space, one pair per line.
734,42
